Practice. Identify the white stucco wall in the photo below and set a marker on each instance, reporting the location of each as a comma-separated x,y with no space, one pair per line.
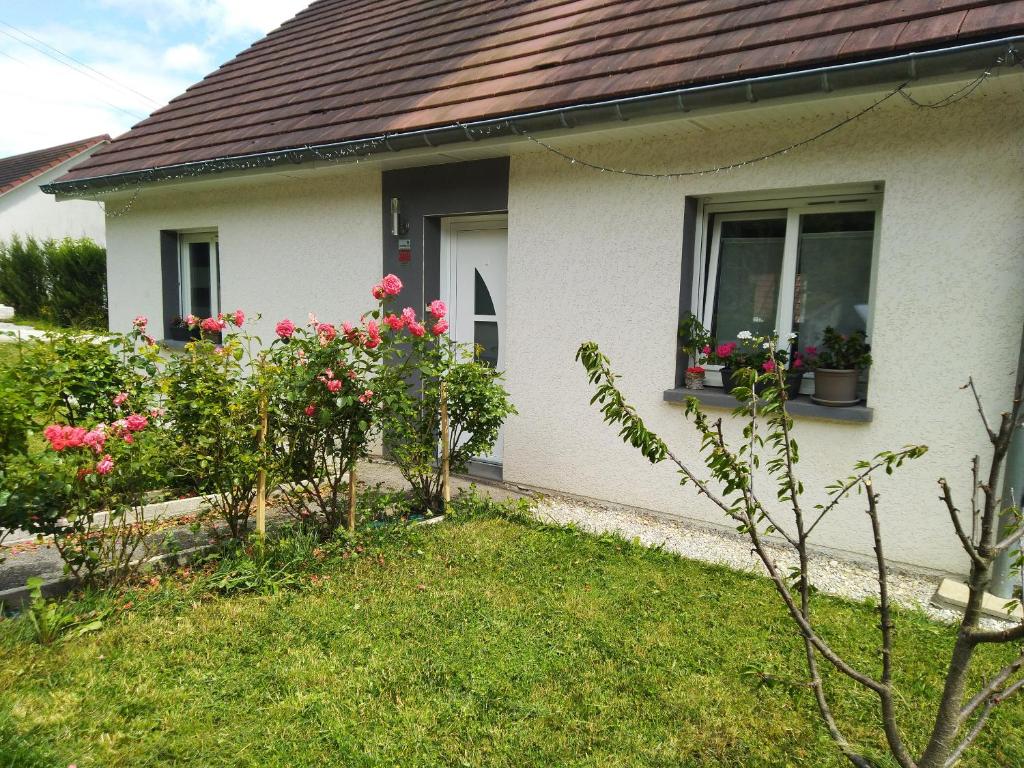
26,211
287,248
597,256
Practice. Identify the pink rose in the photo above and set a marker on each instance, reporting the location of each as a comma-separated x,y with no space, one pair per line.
394,322
310,410
439,327
416,329
136,422
377,291
409,315
191,320
437,308
391,284
105,465
95,438
768,365
373,334
212,325
120,398
326,332
365,397
285,329
239,318
140,322
352,375
333,385
707,349
724,350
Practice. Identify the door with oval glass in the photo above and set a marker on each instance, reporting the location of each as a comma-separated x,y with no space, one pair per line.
474,251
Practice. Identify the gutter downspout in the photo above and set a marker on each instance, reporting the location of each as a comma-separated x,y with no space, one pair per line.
1004,577
955,59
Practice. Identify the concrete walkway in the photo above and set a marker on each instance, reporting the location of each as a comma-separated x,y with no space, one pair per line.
19,332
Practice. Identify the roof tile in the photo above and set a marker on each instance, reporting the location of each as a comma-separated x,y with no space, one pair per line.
21,169
351,69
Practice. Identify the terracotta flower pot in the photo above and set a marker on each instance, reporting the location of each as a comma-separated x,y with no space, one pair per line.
836,387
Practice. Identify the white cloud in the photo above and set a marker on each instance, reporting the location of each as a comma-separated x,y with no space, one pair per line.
47,103
187,57
221,18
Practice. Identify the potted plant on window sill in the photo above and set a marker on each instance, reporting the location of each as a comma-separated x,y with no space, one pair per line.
837,367
748,352
696,342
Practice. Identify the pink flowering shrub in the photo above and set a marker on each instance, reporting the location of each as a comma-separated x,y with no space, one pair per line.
324,408
87,487
477,403
212,393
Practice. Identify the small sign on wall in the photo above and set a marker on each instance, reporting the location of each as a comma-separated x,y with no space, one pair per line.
404,250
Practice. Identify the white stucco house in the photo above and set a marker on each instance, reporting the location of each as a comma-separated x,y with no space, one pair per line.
595,170
27,211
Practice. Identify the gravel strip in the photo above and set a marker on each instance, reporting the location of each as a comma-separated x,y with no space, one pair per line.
842,578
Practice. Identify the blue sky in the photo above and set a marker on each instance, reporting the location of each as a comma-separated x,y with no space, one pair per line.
144,52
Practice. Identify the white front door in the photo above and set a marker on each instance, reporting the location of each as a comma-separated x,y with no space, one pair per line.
474,251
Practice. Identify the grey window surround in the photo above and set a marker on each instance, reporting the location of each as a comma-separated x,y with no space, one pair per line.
174,335
801,406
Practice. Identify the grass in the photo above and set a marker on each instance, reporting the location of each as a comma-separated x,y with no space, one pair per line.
484,642
8,352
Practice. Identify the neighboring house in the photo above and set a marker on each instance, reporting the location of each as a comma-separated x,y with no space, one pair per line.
26,210
363,138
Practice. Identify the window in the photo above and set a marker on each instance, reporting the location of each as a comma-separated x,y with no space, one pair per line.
198,275
190,279
790,266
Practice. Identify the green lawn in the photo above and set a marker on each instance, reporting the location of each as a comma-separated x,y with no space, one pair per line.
485,642
8,352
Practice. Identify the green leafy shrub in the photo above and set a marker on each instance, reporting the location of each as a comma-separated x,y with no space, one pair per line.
23,278
212,394
78,377
77,272
477,407
102,453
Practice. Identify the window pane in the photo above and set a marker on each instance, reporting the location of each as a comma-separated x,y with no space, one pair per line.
200,282
482,303
833,274
485,336
749,269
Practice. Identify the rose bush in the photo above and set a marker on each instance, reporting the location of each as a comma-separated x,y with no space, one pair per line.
212,392
87,488
476,400
324,405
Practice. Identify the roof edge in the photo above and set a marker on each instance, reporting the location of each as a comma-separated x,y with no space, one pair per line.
973,57
81,147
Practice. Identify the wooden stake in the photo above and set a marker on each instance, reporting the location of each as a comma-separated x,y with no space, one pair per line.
446,489
352,496
261,478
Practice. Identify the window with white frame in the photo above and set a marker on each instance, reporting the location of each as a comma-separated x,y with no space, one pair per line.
199,274
788,266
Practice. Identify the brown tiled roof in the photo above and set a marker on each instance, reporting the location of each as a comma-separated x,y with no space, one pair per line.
351,69
19,169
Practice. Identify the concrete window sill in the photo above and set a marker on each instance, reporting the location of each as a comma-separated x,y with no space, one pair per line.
802,406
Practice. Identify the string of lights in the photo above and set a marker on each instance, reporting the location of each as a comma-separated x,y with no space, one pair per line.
900,90
355,153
